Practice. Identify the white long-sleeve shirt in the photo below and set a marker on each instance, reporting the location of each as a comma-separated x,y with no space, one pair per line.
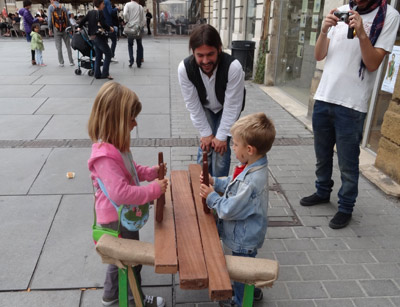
134,13
232,104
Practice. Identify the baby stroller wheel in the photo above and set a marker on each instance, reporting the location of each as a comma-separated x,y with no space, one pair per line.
91,73
78,71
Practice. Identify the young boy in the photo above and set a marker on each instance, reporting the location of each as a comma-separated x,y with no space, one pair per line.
242,210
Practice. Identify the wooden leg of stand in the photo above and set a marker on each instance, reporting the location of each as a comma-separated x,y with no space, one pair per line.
135,287
123,287
248,296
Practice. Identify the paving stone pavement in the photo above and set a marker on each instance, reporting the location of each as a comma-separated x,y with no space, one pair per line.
47,257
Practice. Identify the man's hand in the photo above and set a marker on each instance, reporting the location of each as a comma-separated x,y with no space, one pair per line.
205,142
219,146
112,29
205,190
355,22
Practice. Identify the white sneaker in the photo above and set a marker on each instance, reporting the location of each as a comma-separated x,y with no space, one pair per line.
154,301
72,64
108,302
114,60
61,65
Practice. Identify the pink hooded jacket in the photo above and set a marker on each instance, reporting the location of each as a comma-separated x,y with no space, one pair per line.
107,164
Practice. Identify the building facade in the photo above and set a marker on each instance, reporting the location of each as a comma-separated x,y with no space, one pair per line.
292,29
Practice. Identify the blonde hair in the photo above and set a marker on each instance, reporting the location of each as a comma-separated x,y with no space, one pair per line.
256,130
113,110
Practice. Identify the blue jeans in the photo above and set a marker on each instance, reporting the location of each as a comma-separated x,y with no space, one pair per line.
113,37
335,124
139,51
218,165
38,56
238,287
100,47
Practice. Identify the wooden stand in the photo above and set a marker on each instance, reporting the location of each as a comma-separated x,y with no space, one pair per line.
161,199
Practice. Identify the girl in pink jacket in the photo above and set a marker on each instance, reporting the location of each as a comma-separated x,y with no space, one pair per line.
111,121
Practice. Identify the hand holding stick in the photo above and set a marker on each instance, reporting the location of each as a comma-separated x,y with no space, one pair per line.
161,200
205,179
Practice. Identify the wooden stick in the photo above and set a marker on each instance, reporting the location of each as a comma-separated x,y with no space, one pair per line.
205,179
161,200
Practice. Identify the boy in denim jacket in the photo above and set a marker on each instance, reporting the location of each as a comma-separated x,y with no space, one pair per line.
242,210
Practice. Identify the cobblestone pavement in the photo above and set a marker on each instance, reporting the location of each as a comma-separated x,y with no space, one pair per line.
47,257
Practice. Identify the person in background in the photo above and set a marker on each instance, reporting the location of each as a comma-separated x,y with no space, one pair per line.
37,44
341,100
108,12
149,16
28,22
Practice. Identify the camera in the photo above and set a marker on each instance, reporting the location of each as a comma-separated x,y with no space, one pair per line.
343,16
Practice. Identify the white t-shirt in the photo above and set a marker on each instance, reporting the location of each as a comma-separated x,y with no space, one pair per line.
340,83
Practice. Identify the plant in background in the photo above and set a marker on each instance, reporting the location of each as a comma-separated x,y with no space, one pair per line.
260,67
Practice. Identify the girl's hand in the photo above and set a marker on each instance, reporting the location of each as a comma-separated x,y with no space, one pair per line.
210,179
157,167
163,184
205,190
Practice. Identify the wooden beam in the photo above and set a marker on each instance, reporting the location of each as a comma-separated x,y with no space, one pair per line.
165,258
192,267
205,179
219,285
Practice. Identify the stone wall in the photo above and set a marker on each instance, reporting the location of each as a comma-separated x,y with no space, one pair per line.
388,156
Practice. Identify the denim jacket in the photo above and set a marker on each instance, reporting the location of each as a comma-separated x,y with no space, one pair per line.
242,210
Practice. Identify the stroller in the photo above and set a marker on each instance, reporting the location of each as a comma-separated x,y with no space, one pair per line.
81,42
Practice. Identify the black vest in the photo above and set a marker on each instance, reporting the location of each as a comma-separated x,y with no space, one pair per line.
221,78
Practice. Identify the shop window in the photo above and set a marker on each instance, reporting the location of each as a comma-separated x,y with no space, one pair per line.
251,19
300,24
384,92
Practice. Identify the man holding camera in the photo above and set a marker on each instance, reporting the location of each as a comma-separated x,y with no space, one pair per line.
354,40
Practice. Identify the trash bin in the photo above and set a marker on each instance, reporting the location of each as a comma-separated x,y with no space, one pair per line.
243,51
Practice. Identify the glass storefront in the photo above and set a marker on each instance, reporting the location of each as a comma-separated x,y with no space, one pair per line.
387,79
299,27
177,17
251,19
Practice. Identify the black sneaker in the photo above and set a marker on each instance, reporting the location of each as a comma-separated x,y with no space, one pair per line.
227,303
313,200
154,301
340,220
258,294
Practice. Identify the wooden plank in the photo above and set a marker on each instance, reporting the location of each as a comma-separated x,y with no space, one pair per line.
165,258
192,267
219,285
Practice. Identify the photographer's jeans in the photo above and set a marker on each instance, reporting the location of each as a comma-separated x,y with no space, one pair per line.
100,47
218,165
335,124
113,37
139,51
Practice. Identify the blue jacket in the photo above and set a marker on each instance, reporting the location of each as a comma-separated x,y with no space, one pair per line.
28,19
242,210
107,12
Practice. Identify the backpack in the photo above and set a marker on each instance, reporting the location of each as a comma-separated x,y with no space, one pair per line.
59,18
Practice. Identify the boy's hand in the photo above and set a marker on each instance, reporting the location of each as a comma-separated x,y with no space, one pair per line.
205,190
157,167
163,184
210,178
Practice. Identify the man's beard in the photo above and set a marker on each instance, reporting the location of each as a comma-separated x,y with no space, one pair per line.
215,64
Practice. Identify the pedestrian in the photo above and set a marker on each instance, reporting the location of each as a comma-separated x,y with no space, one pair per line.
212,85
58,21
149,16
134,18
37,44
112,119
242,210
341,100
98,33
108,12
28,21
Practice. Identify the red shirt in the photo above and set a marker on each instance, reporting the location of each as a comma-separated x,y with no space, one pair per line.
238,170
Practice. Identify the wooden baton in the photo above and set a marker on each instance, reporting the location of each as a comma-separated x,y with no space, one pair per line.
205,179
161,200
